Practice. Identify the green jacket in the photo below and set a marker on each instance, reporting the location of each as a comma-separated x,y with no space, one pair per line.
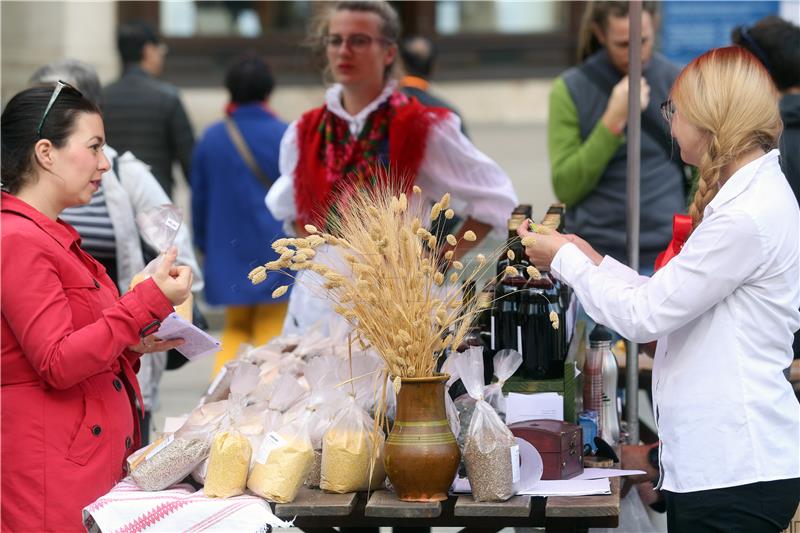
576,166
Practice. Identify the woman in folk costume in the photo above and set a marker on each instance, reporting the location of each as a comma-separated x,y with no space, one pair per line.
366,123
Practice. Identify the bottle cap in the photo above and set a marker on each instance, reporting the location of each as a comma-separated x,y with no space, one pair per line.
600,333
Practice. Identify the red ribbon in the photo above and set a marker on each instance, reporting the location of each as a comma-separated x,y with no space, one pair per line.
681,228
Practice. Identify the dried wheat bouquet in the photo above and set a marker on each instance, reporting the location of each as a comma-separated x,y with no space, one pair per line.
390,286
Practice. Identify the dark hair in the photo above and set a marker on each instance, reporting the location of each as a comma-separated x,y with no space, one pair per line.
131,38
20,119
81,75
598,13
249,79
419,55
776,43
390,26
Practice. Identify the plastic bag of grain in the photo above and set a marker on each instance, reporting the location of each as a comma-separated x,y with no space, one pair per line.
321,406
281,393
228,464
282,463
491,454
352,452
320,419
220,386
229,458
175,456
363,372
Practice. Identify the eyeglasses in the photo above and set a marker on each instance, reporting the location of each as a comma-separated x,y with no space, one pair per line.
356,41
668,110
59,86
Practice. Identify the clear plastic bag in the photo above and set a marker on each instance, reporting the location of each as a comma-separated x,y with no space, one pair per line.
314,343
228,464
352,452
321,406
179,454
159,226
489,445
283,393
220,387
362,376
229,458
254,422
449,405
282,463
506,362
274,366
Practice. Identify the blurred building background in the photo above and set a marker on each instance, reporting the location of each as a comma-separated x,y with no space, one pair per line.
497,58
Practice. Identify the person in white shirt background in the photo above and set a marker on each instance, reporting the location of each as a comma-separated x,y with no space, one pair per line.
723,310
366,123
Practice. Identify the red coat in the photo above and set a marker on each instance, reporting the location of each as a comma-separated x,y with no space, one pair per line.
67,380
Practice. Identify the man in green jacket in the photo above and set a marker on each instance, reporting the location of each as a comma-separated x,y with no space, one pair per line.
586,137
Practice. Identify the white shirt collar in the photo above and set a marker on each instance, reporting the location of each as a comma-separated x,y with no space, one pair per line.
333,101
740,181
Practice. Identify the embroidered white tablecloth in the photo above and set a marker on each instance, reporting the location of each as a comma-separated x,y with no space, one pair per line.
128,509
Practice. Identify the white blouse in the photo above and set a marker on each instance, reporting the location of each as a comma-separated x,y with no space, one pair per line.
724,311
478,186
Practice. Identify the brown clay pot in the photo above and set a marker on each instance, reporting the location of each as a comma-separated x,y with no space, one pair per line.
421,454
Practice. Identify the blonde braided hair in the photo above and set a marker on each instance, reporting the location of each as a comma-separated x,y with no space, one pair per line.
727,94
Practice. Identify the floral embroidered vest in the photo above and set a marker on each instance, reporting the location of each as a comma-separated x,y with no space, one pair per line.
391,146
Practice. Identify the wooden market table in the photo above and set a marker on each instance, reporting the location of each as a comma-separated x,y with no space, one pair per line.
315,511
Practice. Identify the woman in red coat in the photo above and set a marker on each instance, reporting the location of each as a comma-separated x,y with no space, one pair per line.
69,344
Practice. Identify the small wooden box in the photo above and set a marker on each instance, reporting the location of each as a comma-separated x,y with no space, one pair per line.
559,443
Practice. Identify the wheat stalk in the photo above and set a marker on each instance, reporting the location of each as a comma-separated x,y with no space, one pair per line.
393,293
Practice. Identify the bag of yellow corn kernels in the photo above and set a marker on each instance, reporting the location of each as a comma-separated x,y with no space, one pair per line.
282,463
352,455
228,465
229,460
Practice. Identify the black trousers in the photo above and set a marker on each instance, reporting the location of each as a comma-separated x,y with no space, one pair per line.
755,508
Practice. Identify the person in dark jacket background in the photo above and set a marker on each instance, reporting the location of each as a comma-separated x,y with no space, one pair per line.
232,227
588,117
419,59
142,114
776,43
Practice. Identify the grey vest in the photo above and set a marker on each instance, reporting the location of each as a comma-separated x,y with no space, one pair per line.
600,217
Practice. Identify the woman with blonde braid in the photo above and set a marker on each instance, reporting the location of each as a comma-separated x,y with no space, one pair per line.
723,309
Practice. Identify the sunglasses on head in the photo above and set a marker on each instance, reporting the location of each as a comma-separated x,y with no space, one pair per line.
59,87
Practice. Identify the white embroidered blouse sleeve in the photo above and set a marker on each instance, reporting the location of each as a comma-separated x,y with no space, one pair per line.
478,186
693,282
280,197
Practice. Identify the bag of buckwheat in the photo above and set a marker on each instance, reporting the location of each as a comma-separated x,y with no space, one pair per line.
491,454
